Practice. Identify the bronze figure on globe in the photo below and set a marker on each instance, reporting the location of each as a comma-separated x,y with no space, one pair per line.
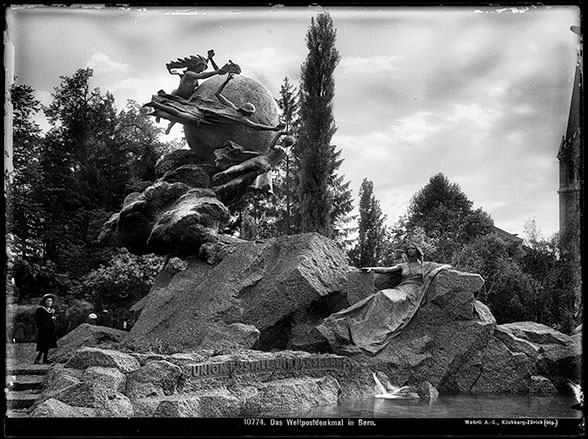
231,125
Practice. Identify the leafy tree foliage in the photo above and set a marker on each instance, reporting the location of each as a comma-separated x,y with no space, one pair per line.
529,282
23,213
558,279
446,216
71,180
124,280
509,291
318,158
369,250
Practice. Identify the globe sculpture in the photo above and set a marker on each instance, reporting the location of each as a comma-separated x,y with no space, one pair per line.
231,126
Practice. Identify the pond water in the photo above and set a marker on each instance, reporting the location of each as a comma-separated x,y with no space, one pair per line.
451,406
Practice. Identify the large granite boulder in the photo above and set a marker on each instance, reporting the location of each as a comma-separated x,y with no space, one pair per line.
557,356
494,369
156,378
450,344
246,300
53,408
106,376
86,335
105,401
95,391
215,404
86,357
291,394
536,333
516,344
541,386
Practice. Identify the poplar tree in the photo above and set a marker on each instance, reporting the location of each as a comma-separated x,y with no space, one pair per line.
318,161
372,231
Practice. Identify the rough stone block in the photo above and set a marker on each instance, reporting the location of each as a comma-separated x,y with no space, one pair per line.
53,408
153,379
87,357
86,335
541,386
427,391
359,285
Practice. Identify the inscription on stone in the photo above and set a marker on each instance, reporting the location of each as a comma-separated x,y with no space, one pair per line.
265,365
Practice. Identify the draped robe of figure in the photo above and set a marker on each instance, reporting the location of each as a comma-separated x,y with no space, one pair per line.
197,110
371,323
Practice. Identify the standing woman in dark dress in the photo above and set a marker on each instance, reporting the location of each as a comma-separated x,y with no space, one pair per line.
45,321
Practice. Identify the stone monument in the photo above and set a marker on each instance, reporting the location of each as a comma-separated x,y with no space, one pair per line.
236,328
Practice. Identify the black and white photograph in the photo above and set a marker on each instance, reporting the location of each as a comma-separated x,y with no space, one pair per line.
292,220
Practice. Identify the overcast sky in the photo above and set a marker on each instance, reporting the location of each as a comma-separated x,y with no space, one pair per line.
480,94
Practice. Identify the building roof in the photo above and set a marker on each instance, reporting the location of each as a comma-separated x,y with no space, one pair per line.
507,235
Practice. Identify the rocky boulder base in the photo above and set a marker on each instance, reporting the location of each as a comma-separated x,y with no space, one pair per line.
238,338
105,383
454,343
86,335
173,216
93,388
557,356
253,298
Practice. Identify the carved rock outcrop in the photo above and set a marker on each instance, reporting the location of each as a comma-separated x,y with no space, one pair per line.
86,335
90,390
201,384
169,217
246,300
453,342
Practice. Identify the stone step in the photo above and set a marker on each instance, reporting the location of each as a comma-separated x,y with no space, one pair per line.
17,413
24,382
21,399
27,369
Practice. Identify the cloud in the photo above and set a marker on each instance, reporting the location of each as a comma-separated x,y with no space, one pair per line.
102,64
131,88
477,116
370,65
265,60
268,66
464,120
416,127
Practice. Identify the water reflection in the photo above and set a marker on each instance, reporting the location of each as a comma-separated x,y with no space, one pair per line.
452,406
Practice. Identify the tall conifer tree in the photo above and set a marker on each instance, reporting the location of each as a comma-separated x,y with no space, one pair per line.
287,170
372,231
318,159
